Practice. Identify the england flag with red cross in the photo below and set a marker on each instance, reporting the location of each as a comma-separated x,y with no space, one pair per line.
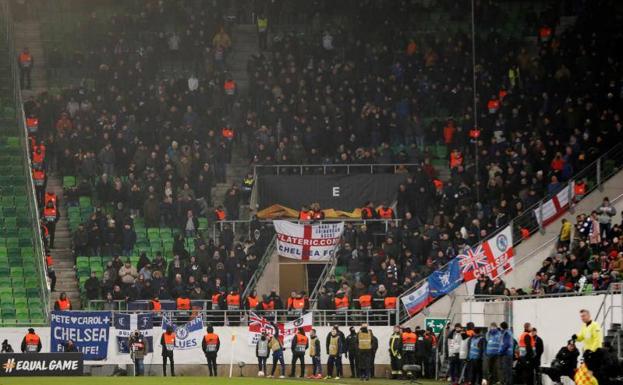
308,242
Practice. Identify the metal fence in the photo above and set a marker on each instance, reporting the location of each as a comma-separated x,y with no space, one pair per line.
39,251
332,169
351,317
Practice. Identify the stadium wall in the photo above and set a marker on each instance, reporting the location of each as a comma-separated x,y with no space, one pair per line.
556,319
240,350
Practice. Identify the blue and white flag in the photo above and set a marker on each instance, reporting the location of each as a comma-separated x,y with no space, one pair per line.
126,324
187,336
442,282
88,331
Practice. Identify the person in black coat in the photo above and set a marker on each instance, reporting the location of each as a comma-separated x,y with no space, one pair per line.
564,364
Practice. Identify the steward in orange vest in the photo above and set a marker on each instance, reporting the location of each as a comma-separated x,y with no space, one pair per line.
493,105
229,87
365,302
456,159
32,124
216,301
183,302
390,303
385,212
341,301
579,189
305,214
227,133
25,62
219,213
38,177
167,341
252,301
63,303
300,343
31,342
210,346
233,301
155,304
367,212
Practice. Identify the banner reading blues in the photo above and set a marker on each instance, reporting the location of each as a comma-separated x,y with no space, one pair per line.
88,330
126,324
442,282
187,336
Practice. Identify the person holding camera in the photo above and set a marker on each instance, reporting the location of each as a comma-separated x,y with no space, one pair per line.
564,364
138,350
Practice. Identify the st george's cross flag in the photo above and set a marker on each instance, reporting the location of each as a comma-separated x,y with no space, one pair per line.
493,258
308,242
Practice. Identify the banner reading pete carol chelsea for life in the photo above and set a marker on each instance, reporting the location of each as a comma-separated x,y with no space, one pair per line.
308,242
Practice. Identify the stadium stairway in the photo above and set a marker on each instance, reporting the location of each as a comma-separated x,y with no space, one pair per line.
28,34
62,252
245,44
530,253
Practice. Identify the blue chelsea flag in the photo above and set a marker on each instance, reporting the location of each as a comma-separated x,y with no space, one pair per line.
88,330
444,281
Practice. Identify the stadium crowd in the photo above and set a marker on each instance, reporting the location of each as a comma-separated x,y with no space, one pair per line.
149,146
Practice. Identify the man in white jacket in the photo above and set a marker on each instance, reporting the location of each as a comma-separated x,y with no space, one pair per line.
454,350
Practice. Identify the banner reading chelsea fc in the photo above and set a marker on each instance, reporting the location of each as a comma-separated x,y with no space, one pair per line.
307,242
187,336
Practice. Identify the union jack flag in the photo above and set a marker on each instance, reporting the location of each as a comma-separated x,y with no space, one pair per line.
258,325
472,261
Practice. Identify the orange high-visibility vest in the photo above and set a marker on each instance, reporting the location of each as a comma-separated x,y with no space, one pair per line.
341,303
456,159
365,301
502,94
37,158
216,299
32,342
38,177
493,106
183,303
301,343
169,341
305,216
525,233
545,33
408,341
367,213
156,305
579,188
298,303
211,340
227,133
474,133
32,124
229,87
233,301
49,261
49,197
25,59
49,214
220,214
385,213
390,302
438,184
270,305
252,301
63,304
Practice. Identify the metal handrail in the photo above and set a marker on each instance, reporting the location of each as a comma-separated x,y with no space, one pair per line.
21,120
347,167
617,150
354,317
270,249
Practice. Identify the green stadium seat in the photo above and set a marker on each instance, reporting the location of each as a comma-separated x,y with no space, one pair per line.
69,181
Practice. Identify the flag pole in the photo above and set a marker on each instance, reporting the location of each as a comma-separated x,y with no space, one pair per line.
231,356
